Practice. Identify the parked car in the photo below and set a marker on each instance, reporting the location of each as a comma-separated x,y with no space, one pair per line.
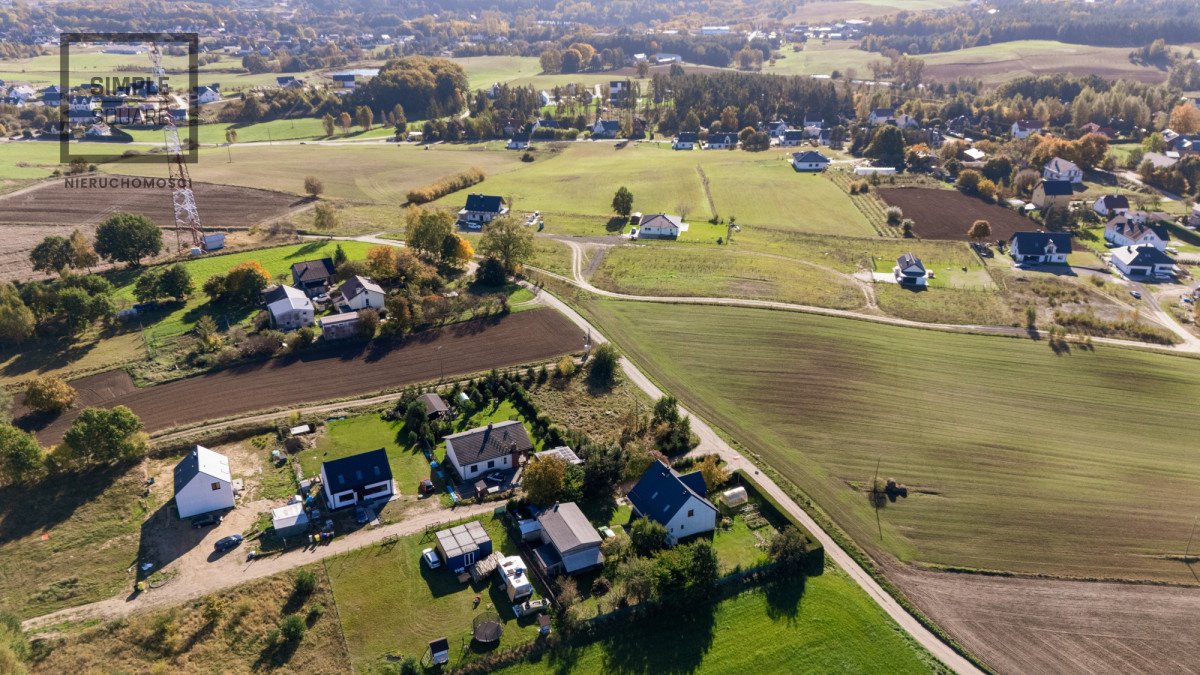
494,477
206,520
228,543
360,515
1136,294
431,558
1188,299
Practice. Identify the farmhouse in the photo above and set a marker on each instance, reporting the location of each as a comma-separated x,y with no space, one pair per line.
1060,169
202,483
1125,231
462,545
721,141
313,276
480,210
207,94
1023,128
570,544
357,478
677,501
1111,205
339,326
519,141
685,140
809,160
360,293
1142,261
497,446
289,308
1050,193
909,271
660,226
1040,247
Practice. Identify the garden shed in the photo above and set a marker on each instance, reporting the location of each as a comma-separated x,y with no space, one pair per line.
462,545
289,520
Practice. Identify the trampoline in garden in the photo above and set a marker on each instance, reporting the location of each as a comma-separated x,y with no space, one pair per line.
487,627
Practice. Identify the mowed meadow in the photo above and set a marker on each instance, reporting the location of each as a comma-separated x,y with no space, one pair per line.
1016,459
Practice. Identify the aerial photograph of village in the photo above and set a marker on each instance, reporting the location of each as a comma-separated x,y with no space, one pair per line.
502,336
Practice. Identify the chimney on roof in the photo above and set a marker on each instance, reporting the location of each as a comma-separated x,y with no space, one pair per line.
489,426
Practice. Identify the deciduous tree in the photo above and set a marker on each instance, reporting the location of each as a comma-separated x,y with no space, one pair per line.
83,256
103,436
543,480
20,455
49,394
427,231
313,186
127,237
979,230
52,255
508,240
622,202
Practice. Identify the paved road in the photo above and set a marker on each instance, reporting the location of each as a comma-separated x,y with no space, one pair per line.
712,442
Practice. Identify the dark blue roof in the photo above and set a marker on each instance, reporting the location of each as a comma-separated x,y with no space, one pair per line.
1036,241
687,137
611,125
485,203
793,135
548,123
1057,188
357,471
661,492
726,137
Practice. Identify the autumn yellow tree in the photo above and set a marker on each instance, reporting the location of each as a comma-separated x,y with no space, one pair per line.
1185,119
382,261
714,475
462,252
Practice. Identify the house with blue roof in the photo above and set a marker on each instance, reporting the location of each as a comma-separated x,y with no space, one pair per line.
358,478
678,501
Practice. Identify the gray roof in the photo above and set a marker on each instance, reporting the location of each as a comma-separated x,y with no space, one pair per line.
312,270
1060,165
357,285
567,528
653,220
1142,255
661,492
201,460
809,156
909,260
461,539
433,403
494,440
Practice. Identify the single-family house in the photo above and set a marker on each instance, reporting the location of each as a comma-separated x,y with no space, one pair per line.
1124,231
202,483
359,293
606,128
1050,193
677,501
546,124
659,226
313,276
1040,247
358,478
570,544
910,271
776,128
881,116
809,160
289,308
545,98
813,120
479,210
1161,160
721,141
463,545
519,141
562,452
1024,128
207,94
339,326
98,130
667,57
905,121
791,138
617,90
52,95
1093,128
285,80
435,406
496,447
1142,261
290,520
1060,169
1111,205
685,140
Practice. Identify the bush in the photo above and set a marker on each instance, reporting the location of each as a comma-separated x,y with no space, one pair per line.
647,536
306,582
368,322
445,186
491,272
894,215
49,394
566,367
788,549
314,613
259,346
602,370
292,628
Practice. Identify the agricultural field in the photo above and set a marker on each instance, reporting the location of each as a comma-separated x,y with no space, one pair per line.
999,434
816,625
945,214
823,58
1000,62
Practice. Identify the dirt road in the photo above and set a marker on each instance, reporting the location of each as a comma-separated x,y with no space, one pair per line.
470,347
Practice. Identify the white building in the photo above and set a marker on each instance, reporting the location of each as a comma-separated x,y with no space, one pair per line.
496,447
1142,261
660,226
570,544
358,478
809,160
677,501
289,308
202,483
360,293
1124,231
1060,169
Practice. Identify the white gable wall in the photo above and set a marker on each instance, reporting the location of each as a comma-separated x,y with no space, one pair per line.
695,517
198,496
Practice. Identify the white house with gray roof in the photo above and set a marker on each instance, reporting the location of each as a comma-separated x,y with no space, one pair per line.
202,483
496,447
677,501
570,544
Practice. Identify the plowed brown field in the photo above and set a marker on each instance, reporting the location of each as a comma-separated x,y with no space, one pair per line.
469,347
946,214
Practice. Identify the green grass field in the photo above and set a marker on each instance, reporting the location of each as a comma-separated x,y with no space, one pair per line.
817,58
88,62
823,624
1003,61
1016,458
28,160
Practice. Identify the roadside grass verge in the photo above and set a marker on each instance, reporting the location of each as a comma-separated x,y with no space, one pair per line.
945,305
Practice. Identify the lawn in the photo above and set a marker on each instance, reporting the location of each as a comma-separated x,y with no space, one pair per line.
361,433
717,271
1001,441
822,624
93,351
552,256
24,160
390,603
822,59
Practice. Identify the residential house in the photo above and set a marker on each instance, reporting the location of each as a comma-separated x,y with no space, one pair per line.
285,80
546,124
910,271
617,90
496,447
606,128
207,94
667,57
463,545
659,226
721,141
289,308
1093,128
974,155
677,501
1060,169
685,140
1124,231
519,141
313,276
1161,160
339,326
364,477
545,98
813,120
1024,128
52,95
1050,193
881,116
906,122
359,293
1142,261
98,130
480,210
810,160
1111,205
202,483
791,138
570,544
1040,247
776,128
435,406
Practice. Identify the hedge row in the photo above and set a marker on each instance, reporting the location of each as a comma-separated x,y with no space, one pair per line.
445,186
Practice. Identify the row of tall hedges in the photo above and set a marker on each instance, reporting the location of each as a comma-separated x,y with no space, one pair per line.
445,186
